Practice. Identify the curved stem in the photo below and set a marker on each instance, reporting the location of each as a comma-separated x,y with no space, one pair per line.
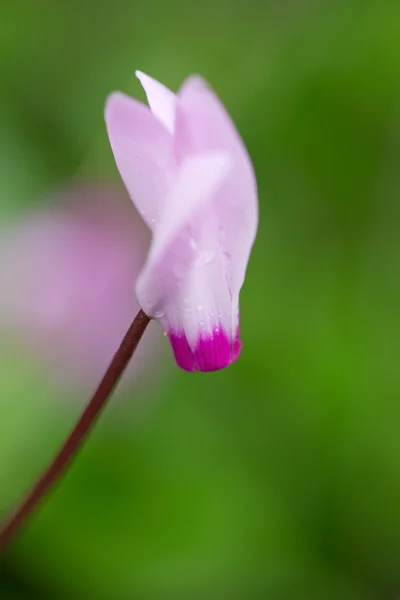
76,438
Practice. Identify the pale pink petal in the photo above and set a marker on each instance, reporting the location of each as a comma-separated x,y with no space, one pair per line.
142,149
67,274
203,124
161,100
174,247
183,284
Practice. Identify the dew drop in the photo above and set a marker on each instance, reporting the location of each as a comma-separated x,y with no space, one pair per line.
159,314
208,256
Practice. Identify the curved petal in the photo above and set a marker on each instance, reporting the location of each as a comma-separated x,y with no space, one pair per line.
183,284
203,124
161,100
206,336
142,149
174,249
67,274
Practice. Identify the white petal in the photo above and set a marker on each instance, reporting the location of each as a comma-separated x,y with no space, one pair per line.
173,252
143,153
203,124
161,100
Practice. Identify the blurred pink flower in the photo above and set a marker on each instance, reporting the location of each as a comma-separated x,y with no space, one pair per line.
189,174
68,275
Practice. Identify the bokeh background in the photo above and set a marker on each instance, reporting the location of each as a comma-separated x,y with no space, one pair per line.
279,477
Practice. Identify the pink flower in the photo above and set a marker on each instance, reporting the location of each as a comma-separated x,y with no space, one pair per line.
68,273
190,177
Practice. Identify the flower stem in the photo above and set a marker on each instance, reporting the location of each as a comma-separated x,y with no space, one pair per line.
76,438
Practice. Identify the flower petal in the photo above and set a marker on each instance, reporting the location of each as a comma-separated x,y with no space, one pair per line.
172,250
161,100
67,279
203,317
142,150
203,124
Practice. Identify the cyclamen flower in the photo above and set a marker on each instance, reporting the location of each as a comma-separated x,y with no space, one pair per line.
67,274
190,177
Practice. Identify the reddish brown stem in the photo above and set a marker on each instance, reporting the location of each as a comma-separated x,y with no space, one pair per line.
76,438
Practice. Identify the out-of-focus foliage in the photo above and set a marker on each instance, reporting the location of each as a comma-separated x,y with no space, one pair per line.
279,477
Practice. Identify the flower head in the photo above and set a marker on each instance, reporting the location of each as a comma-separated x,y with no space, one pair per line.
68,272
190,177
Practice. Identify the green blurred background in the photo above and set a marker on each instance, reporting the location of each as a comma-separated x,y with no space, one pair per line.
280,476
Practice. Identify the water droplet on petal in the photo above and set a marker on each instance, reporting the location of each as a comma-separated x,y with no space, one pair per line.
159,314
208,256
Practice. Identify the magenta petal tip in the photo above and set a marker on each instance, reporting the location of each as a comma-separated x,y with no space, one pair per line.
211,353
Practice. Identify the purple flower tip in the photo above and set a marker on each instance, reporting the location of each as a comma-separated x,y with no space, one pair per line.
211,352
